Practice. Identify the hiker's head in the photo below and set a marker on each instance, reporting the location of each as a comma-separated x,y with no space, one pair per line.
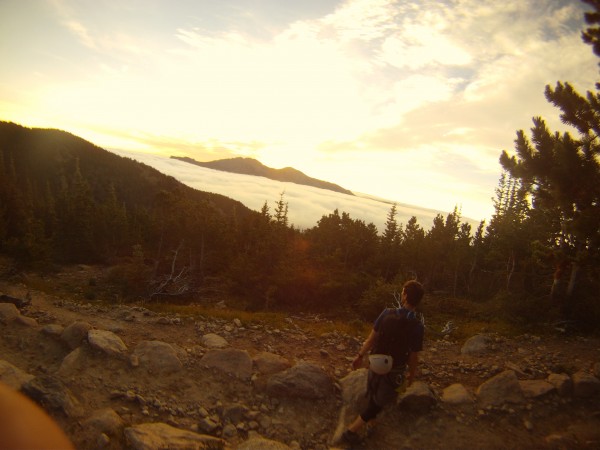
414,292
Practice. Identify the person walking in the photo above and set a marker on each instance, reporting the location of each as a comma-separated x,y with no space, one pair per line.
394,345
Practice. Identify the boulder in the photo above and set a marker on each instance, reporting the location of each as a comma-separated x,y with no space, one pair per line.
53,395
153,436
270,363
476,345
536,388
304,380
8,312
562,382
105,421
354,386
107,342
72,363
74,334
585,384
52,329
230,360
157,356
26,321
260,443
456,394
418,397
500,389
13,376
212,340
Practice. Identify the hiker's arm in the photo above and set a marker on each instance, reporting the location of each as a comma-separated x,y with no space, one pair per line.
413,361
364,350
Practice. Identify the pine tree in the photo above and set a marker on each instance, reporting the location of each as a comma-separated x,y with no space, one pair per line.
561,172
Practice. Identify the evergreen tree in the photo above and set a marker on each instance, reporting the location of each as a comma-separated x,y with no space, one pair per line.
562,173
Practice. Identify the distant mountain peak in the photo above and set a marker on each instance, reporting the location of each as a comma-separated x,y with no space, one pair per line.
251,166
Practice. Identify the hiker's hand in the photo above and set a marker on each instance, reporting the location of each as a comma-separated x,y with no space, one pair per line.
357,362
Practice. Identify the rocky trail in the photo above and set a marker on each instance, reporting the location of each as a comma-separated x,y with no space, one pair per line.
126,377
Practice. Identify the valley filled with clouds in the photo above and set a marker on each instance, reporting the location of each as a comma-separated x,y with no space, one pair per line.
306,204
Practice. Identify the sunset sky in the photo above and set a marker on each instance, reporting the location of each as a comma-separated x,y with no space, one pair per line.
409,100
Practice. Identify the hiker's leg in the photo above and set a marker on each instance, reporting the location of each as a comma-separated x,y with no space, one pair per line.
357,425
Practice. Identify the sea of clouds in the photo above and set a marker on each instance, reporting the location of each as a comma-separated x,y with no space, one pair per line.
306,204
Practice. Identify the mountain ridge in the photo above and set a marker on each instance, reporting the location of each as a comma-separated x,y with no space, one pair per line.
251,166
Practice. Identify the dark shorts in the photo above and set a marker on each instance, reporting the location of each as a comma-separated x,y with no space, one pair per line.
382,388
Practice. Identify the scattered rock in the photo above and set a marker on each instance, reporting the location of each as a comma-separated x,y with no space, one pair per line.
500,389
270,363
562,382
107,342
213,341
456,394
153,436
72,363
52,395
105,421
26,321
260,443
8,312
536,388
230,360
304,380
418,397
74,334
53,329
476,345
156,356
585,384
13,376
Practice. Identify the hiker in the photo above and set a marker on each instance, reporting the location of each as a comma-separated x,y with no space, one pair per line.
398,333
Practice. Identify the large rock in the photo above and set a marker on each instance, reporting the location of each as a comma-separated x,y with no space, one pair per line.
562,382
456,394
26,321
8,312
476,345
73,363
536,388
74,334
303,380
13,376
212,340
418,397
229,360
107,342
53,395
585,384
260,443
270,363
354,400
157,356
155,436
53,329
106,421
500,389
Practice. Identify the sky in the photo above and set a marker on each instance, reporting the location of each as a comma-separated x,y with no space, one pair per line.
408,100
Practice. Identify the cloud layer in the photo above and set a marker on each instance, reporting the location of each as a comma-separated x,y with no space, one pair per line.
306,204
